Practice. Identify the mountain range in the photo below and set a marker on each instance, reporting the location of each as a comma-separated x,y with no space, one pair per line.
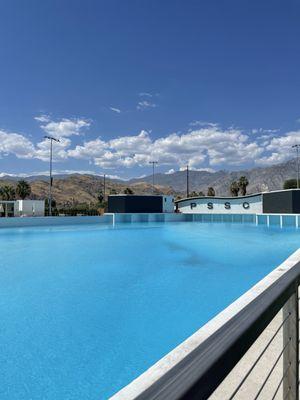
79,188
260,179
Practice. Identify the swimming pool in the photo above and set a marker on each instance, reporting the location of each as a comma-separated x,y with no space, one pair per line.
86,309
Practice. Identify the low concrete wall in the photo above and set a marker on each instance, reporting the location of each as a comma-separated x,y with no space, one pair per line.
52,221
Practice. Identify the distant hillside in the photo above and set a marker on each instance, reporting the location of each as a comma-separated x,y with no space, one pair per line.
261,179
79,188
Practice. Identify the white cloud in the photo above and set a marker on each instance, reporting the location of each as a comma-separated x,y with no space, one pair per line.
263,131
89,150
197,169
14,143
59,149
60,172
42,118
65,127
279,149
210,145
22,147
145,105
145,94
170,171
117,110
203,124
206,147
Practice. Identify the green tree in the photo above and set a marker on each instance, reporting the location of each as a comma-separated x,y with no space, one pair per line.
193,194
23,189
211,192
128,191
53,207
234,188
201,194
7,193
243,183
113,191
290,184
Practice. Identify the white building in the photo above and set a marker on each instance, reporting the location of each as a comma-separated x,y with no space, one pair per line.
22,208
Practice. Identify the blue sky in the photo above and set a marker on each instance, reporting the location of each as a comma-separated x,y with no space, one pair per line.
215,84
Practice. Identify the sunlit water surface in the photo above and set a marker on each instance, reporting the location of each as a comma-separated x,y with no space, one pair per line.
86,309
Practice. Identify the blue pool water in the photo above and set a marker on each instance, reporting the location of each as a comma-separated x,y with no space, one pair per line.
85,309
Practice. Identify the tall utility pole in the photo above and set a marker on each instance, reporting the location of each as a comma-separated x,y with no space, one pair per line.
50,173
296,146
153,165
104,183
187,181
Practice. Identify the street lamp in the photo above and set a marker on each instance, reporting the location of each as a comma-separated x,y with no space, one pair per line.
153,165
297,146
187,182
104,186
50,172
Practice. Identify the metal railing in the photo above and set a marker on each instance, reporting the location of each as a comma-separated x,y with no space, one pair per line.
202,370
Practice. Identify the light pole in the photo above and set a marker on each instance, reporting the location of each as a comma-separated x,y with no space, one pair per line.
187,182
50,173
296,146
153,165
104,184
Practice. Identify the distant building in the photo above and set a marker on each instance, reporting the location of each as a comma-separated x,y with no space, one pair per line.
126,203
22,208
276,202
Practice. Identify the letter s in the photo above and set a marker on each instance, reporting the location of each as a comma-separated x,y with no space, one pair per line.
227,205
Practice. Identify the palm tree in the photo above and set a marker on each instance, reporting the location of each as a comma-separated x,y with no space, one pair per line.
211,192
243,183
7,193
23,189
234,188
128,191
100,197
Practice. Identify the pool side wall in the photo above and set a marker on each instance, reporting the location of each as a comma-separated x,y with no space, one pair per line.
53,221
280,220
